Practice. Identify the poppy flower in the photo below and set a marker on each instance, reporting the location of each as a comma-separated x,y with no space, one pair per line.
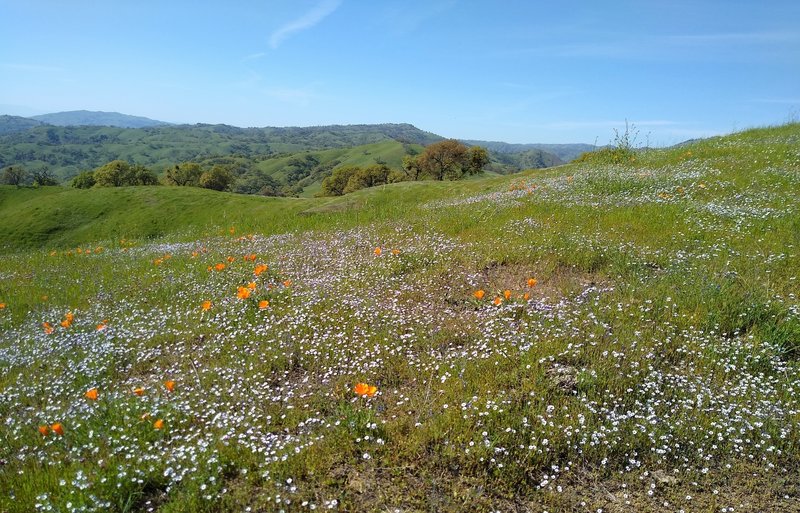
206,306
169,385
361,388
220,266
287,283
91,394
395,251
507,294
372,390
263,304
2,306
57,428
48,328
231,259
243,293
251,285
498,301
139,391
44,430
159,424
260,268
377,251
532,282
526,296
479,294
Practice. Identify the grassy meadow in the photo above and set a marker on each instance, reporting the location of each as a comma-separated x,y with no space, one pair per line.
593,337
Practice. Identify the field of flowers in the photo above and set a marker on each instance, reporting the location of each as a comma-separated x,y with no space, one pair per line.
590,338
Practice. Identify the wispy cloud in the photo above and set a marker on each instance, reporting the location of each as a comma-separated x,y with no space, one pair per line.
306,21
253,56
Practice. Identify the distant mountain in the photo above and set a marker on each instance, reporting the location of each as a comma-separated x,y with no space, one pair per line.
11,124
565,152
97,118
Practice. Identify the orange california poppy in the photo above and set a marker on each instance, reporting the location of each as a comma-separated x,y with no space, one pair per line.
395,251
251,285
260,268
243,293
66,324
169,385
91,394
287,283
498,300
159,424
139,391
479,294
507,294
377,251
220,266
101,326
48,328
206,306
57,428
532,282
526,296
44,430
195,254
263,304
361,389
371,390
2,306
230,259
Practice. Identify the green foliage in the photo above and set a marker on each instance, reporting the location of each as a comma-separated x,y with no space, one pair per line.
186,174
43,177
84,180
218,178
335,184
14,175
448,159
119,173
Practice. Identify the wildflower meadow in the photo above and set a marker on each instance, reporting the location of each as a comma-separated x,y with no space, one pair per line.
615,337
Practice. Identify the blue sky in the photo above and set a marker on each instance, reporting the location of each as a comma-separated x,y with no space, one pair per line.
515,71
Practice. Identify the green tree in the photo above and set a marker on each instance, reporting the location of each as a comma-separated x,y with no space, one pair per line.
184,174
335,184
371,176
217,178
84,180
116,173
141,175
14,175
119,173
43,177
478,158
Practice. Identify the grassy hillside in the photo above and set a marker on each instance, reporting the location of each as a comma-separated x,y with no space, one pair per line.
622,338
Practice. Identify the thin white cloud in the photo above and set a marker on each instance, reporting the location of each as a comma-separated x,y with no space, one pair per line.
306,21
253,56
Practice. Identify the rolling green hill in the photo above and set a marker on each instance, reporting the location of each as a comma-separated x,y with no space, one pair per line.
68,150
11,124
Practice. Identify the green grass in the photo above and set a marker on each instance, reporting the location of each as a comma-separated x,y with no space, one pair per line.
653,366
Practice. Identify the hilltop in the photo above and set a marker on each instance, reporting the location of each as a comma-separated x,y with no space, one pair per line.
97,118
